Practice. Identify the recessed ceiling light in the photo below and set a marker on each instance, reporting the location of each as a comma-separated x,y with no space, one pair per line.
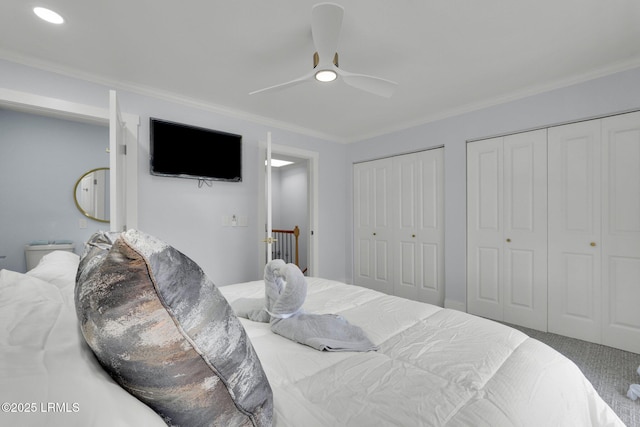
326,75
48,15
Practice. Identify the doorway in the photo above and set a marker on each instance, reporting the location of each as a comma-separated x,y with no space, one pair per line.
290,204
294,200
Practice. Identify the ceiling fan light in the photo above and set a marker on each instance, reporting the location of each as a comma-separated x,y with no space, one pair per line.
48,15
326,76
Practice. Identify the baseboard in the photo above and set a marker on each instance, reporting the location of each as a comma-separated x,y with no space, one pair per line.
455,305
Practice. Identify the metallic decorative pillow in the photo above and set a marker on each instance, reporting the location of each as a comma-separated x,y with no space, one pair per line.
166,334
96,248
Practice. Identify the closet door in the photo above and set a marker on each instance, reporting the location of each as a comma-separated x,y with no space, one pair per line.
418,243
574,231
485,228
507,229
431,226
372,225
621,231
525,229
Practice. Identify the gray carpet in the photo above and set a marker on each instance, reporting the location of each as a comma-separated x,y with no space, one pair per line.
611,371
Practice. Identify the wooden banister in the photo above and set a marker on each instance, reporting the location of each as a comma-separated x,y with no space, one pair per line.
296,233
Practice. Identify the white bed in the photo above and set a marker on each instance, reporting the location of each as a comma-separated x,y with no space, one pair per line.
434,366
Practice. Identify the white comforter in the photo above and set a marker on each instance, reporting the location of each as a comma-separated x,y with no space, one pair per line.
434,366
48,375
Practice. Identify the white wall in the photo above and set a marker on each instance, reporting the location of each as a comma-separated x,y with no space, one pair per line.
603,96
41,158
188,217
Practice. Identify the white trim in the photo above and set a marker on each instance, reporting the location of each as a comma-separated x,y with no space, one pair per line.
166,95
220,109
53,107
499,100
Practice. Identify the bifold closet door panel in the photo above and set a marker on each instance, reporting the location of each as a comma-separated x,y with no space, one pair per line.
621,231
485,228
430,231
419,226
373,261
574,231
525,229
507,229
405,223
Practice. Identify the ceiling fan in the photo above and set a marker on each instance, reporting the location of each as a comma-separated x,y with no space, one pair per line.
326,23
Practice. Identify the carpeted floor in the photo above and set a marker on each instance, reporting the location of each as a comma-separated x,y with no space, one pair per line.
611,371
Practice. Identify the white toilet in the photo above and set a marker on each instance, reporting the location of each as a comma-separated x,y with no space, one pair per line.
34,253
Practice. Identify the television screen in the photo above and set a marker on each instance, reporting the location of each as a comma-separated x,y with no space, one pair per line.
185,151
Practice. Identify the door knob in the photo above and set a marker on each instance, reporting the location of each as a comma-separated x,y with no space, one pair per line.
374,234
593,243
413,235
508,240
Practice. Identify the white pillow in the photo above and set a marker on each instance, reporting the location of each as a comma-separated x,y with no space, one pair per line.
43,358
58,268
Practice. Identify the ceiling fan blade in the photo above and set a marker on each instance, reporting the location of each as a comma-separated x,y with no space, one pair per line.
306,78
376,85
326,23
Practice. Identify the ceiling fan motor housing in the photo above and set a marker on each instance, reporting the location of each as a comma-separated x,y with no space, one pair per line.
316,59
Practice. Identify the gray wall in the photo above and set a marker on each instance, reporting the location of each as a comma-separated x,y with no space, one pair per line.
190,218
41,158
607,95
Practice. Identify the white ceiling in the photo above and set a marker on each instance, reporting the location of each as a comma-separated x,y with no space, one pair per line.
447,56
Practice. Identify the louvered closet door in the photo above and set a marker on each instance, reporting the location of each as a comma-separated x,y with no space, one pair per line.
372,225
621,231
418,243
574,231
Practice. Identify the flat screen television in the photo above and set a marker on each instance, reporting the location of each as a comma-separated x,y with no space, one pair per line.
185,151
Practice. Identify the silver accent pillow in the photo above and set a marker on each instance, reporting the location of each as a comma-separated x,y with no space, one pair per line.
166,334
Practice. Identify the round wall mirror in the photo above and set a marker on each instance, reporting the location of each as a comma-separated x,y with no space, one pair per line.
91,194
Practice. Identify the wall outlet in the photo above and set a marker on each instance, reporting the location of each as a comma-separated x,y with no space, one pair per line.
82,223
